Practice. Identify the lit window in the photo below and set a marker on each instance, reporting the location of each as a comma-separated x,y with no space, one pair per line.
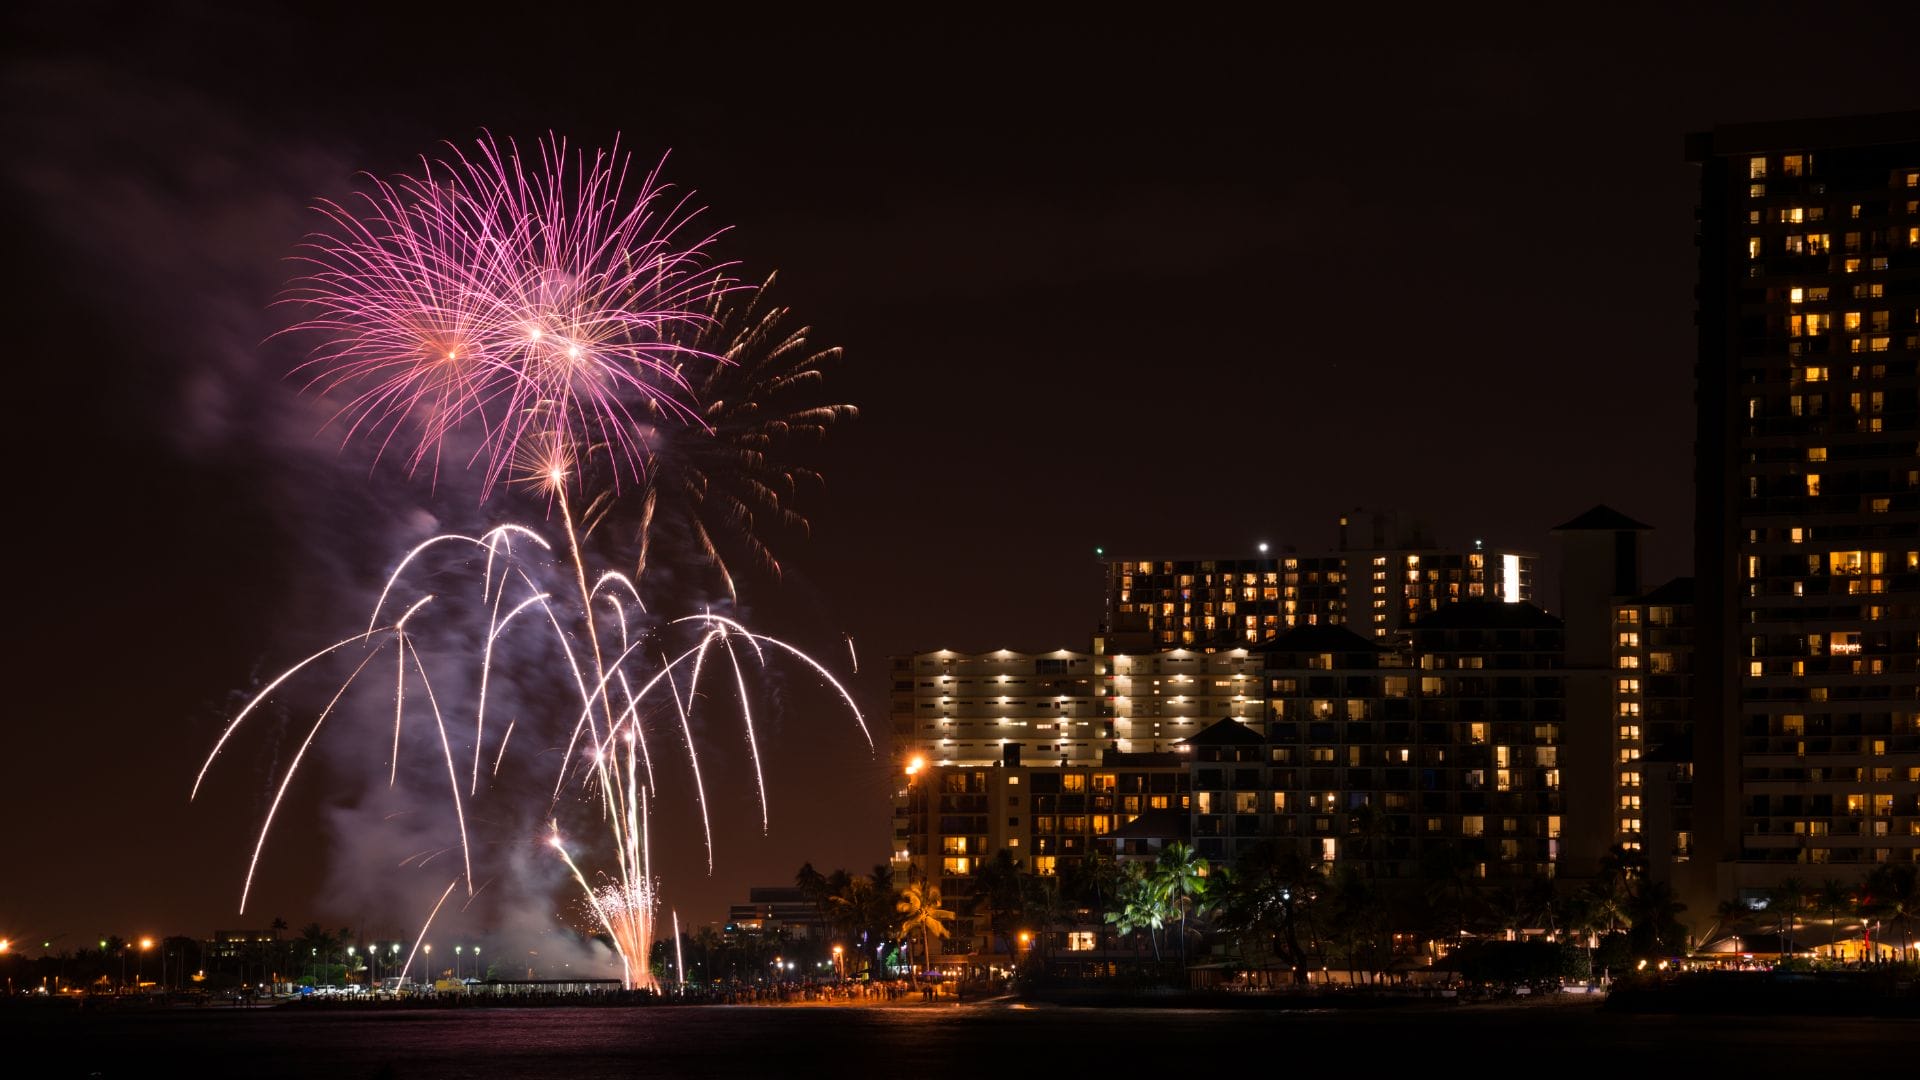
1757,169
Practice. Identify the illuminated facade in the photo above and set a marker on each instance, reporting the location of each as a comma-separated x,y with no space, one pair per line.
1807,749
1386,574
1063,707
1358,752
949,819
1653,719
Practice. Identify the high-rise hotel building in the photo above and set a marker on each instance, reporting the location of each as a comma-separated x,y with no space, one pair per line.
1387,572
1807,524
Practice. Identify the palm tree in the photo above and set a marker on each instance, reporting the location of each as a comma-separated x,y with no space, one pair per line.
319,944
1044,906
1786,900
1264,899
1606,897
1727,917
1183,876
813,885
1892,894
706,939
1141,903
997,884
279,925
1656,924
1834,896
921,913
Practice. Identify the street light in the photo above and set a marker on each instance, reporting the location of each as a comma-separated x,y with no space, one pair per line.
457,950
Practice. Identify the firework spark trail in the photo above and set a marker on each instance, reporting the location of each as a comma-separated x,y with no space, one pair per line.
803,657
718,487
753,744
592,699
486,666
426,926
613,760
631,717
503,746
287,781
593,901
425,855
693,756
679,961
453,777
234,724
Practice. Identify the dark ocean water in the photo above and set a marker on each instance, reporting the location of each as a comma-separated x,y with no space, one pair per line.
989,1042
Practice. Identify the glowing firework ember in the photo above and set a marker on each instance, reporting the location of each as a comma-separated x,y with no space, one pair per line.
514,297
552,310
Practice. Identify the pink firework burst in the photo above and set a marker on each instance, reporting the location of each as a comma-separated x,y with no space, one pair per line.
517,297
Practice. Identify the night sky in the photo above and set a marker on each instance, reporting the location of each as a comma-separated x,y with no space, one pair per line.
1163,289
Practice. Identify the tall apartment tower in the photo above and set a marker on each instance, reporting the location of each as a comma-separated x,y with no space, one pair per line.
1600,567
1807,520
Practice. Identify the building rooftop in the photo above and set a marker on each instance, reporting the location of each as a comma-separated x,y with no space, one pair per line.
1677,591
1487,615
1225,731
1602,518
1155,825
1316,639
1813,134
